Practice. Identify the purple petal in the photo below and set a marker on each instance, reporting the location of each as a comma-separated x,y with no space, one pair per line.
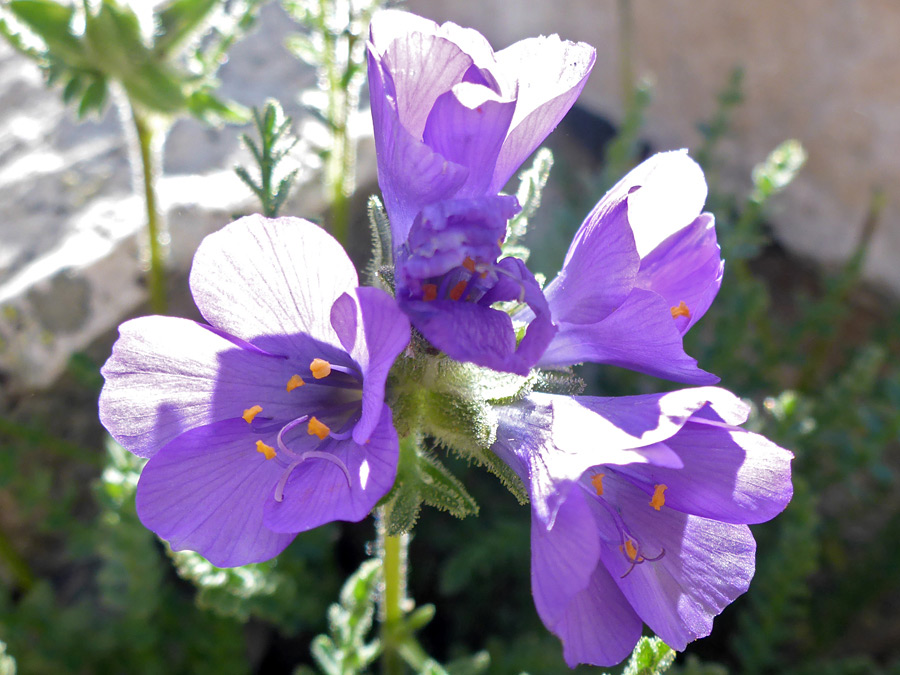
168,375
706,564
563,559
599,270
468,125
599,627
550,441
317,491
383,332
422,68
344,321
551,74
410,174
640,335
667,192
687,267
729,474
259,276
205,492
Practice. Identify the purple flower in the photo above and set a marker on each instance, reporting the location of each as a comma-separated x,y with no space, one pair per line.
453,121
452,118
640,507
642,269
271,420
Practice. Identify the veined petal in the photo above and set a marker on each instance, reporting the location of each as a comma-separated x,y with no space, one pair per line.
381,332
167,375
728,474
318,492
599,627
599,271
410,174
205,492
422,68
640,335
551,74
706,565
260,276
468,125
685,268
563,559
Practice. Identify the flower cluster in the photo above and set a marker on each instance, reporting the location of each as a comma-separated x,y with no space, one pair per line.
272,418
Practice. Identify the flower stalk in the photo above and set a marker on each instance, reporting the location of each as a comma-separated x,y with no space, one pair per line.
149,148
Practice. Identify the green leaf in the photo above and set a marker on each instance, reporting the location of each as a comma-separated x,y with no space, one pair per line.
650,657
94,97
52,23
532,182
177,20
442,490
207,107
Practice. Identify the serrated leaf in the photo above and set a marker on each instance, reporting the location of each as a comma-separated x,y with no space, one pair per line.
207,107
72,89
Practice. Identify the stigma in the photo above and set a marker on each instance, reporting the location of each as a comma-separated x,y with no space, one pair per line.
681,309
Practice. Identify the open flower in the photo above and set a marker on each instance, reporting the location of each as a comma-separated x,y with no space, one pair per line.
642,269
271,420
640,507
452,118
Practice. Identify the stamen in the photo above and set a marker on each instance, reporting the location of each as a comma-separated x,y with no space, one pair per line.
631,550
658,500
469,264
320,368
457,291
266,450
250,413
597,482
316,428
294,382
430,292
681,310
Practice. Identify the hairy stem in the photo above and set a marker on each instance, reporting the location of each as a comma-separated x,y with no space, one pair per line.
393,551
149,147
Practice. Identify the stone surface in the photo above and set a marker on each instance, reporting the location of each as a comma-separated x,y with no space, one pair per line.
823,71
70,227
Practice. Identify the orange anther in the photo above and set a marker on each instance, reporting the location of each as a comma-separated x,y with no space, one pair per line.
266,450
250,413
597,482
320,368
457,291
429,292
469,264
659,499
316,428
631,550
681,310
294,382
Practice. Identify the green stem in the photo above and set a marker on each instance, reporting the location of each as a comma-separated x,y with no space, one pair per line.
393,550
156,236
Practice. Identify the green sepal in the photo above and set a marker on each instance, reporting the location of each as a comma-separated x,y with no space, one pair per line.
650,656
421,478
